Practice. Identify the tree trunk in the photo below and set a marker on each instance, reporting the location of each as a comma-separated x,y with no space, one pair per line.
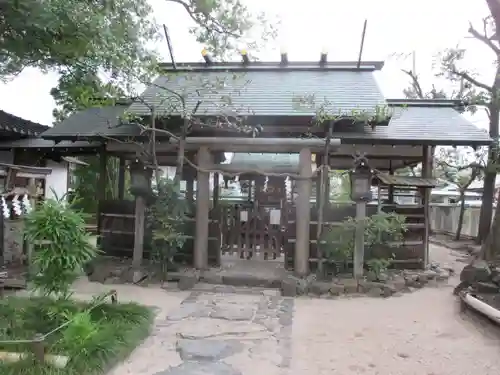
486,207
491,245
181,153
490,175
494,6
460,216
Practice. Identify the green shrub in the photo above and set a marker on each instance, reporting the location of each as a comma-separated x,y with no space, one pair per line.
62,246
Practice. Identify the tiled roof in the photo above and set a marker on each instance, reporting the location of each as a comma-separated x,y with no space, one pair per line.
15,124
46,143
263,90
415,125
92,122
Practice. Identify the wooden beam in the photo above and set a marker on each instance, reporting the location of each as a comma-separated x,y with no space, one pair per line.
229,168
268,145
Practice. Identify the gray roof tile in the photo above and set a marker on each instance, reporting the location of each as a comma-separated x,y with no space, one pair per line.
437,125
15,124
91,122
262,93
46,143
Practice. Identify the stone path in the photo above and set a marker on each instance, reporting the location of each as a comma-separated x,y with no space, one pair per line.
223,333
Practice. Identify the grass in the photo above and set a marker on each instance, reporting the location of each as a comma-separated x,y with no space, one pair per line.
94,341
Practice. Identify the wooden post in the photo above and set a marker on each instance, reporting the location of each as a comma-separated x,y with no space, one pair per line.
140,214
318,190
359,241
29,246
121,179
202,209
303,215
426,173
39,348
216,192
190,190
379,198
101,191
390,190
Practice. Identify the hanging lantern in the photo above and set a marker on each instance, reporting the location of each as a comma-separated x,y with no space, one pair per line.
361,182
140,179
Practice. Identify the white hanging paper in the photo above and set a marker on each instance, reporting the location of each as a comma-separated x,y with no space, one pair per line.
275,217
243,215
26,203
16,205
5,209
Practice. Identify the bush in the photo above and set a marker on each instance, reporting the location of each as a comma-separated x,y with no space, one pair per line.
62,246
166,220
96,338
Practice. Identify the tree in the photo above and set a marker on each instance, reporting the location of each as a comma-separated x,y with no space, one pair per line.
67,34
477,95
113,35
461,167
220,24
81,89
76,91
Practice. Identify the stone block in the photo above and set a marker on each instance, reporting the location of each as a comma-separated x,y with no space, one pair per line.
211,278
414,281
350,285
429,274
236,313
188,280
398,282
207,350
486,287
365,286
477,271
389,290
336,289
200,367
375,292
319,287
289,287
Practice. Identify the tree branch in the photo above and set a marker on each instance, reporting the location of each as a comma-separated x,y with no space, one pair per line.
415,83
470,79
210,23
484,37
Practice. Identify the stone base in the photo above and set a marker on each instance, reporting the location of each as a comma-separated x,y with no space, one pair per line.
243,279
393,285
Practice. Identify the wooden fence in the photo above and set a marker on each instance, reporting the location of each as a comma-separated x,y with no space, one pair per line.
410,251
263,232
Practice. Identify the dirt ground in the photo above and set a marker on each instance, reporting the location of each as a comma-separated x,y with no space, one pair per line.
422,333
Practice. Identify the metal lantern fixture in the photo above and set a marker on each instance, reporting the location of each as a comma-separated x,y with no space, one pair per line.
361,181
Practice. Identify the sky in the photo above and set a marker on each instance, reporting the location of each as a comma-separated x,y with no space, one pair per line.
395,29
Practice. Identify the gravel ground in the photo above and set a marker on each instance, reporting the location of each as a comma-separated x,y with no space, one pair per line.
422,333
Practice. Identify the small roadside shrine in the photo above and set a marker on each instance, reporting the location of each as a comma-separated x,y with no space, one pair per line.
271,116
